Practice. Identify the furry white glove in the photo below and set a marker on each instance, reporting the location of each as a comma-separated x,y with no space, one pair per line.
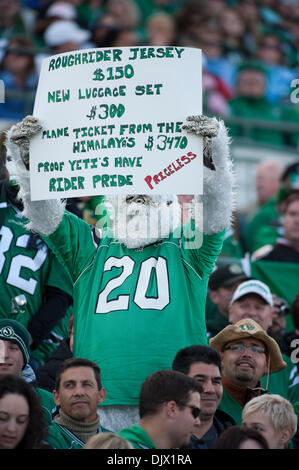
218,178
207,128
21,133
44,216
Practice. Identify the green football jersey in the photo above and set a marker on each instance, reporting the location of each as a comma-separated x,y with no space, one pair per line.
134,308
26,267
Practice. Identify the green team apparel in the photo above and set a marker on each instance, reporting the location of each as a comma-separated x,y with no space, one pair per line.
231,246
282,279
47,403
134,308
264,217
138,437
26,267
25,270
60,437
284,382
257,108
231,406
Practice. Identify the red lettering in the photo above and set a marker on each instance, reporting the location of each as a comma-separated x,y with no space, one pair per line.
170,169
162,176
148,180
190,153
179,163
185,159
156,179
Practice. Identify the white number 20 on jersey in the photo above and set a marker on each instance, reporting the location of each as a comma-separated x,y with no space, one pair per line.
139,297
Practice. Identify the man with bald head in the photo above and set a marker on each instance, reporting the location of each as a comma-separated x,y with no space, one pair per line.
267,180
267,183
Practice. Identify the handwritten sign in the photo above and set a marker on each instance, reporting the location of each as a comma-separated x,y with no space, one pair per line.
112,123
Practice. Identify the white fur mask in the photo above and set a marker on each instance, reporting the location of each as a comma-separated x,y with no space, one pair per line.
140,220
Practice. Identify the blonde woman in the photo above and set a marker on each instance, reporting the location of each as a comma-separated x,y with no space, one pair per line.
274,417
107,440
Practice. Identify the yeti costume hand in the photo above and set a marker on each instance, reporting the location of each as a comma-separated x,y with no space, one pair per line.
44,216
218,178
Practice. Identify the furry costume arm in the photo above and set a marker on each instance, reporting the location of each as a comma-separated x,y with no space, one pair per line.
44,216
218,178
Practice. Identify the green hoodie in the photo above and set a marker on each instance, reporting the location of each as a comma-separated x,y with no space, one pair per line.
138,437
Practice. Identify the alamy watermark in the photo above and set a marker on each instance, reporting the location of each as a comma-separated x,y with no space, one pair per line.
2,352
149,223
294,96
295,353
2,92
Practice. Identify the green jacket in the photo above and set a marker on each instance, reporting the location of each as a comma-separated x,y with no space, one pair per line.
285,382
231,246
216,324
47,403
231,406
259,108
59,437
138,437
261,219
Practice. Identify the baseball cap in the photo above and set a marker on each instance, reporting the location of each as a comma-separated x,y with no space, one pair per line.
226,276
253,286
62,31
62,10
15,332
248,328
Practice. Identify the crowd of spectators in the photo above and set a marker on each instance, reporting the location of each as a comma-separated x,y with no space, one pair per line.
250,60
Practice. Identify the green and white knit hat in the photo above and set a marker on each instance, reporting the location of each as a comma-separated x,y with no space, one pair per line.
15,332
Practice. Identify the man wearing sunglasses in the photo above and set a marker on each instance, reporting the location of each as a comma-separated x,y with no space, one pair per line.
248,353
169,408
204,365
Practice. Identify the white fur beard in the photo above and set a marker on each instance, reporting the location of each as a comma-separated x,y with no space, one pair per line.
136,225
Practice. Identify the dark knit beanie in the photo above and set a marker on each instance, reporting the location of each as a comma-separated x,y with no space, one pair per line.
15,332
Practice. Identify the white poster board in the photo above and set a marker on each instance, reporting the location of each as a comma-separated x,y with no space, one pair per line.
112,123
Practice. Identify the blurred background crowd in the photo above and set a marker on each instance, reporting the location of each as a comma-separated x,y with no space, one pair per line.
250,48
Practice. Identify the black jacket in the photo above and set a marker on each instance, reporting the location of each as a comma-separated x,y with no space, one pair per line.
221,422
45,374
281,252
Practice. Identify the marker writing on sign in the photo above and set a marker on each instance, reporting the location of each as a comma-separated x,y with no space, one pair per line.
170,169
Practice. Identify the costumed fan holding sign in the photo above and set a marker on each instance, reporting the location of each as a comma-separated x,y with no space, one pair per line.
139,294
